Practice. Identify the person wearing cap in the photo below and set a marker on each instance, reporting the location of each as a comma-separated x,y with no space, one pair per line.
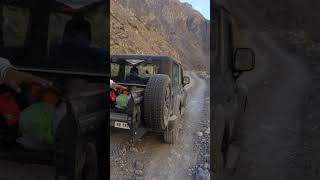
13,78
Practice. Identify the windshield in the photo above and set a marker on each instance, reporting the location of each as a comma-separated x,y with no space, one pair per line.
60,41
133,73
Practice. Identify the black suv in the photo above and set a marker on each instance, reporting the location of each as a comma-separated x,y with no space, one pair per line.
157,96
229,96
36,36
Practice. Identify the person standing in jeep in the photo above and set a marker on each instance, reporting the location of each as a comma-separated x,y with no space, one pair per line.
14,78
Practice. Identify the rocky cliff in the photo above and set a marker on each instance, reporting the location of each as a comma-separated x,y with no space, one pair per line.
176,23
129,35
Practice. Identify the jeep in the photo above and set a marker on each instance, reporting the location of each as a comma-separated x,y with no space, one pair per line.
33,37
157,96
229,96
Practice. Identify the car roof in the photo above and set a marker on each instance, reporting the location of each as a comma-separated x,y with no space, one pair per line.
142,57
79,3
67,6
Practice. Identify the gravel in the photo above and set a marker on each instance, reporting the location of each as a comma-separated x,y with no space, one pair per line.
199,134
202,174
138,165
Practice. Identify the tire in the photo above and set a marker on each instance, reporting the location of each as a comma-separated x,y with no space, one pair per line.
157,102
170,135
88,162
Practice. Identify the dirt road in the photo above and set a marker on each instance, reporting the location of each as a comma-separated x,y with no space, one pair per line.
149,158
274,126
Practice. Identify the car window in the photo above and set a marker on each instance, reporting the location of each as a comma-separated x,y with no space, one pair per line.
15,22
99,31
76,41
144,70
114,70
57,25
120,71
98,35
175,74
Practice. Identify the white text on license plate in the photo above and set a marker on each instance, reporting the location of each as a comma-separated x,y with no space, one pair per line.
121,125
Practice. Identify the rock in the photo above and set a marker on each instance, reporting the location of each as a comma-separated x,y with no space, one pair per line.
124,150
202,174
138,165
131,170
199,134
133,149
207,157
206,165
138,172
207,131
138,178
186,157
177,154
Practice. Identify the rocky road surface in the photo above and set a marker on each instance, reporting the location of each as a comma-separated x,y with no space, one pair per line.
151,159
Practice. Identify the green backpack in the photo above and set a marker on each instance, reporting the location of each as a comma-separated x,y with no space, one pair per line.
37,122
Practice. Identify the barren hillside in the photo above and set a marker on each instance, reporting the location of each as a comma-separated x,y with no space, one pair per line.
129,35
168,25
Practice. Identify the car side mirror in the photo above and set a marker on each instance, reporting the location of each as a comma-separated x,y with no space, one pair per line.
244,59
186,80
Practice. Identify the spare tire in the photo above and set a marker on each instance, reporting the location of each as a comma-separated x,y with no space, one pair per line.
157,102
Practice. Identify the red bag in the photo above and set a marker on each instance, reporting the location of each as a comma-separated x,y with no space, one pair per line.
113,96
9,109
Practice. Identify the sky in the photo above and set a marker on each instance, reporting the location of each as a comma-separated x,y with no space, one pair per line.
203,6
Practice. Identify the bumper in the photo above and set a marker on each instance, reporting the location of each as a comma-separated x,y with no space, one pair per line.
120,118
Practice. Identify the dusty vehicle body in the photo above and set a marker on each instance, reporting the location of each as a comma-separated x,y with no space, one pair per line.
80,147
156,104
229,96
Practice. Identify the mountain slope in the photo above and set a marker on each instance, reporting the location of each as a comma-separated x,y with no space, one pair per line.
130,36
187,31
